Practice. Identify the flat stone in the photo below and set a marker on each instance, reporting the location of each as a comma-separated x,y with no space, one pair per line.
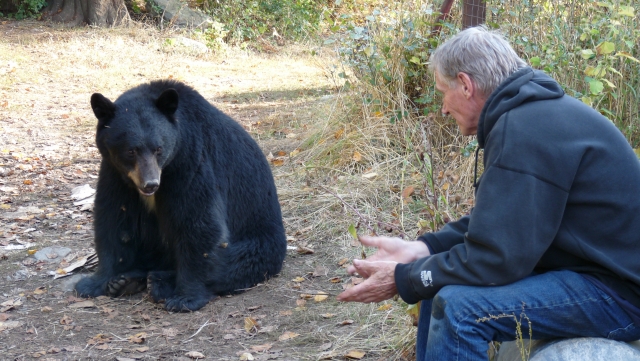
573,349
52,254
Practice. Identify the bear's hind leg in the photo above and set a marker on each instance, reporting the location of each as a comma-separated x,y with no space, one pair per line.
127,284
161,285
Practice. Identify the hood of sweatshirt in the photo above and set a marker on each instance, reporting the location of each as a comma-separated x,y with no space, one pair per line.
523,86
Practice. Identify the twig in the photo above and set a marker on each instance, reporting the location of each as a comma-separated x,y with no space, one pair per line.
197,332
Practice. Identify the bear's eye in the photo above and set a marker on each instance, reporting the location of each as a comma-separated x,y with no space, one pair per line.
131,152
159,151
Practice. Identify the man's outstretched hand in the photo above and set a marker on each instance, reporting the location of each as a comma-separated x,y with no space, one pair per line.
379,283
379,269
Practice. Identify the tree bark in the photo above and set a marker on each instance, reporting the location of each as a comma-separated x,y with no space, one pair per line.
92,12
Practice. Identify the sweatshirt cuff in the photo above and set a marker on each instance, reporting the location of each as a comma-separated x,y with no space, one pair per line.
428,239
403,283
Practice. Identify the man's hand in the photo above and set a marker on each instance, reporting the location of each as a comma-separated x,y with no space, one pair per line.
392,249
379,285
379,269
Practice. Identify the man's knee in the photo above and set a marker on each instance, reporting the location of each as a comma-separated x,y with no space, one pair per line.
448,302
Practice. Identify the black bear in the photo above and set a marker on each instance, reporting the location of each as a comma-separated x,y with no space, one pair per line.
185,204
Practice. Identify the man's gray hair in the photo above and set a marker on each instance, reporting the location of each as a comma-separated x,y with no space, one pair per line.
484,55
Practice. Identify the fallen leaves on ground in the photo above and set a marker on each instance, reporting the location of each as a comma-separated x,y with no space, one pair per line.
288,336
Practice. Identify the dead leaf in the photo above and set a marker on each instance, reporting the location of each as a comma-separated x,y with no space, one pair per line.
304,250
46,309
138,337
262,348
53,350
286,313
141,349
66,320
355,355
346,322
298,279
320,271
102,347
99,339
321,296
335,280
194,355
250,325
343,261
288,335
407,193
301,303
357,156
338,133
328,315
39,354
385,307
83,304
277,162
40,290
245,356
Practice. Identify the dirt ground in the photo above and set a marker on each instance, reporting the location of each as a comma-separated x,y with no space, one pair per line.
47,75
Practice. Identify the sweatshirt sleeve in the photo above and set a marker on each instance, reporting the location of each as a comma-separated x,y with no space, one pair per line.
451,234
513,223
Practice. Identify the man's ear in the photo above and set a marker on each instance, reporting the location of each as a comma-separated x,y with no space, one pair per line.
468,87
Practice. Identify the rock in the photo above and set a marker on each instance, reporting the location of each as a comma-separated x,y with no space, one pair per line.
68,284
52,254
574,349
177,13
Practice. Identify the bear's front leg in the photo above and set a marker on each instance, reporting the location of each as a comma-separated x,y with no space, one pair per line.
190,292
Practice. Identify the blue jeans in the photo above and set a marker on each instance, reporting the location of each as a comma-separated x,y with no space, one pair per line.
459,321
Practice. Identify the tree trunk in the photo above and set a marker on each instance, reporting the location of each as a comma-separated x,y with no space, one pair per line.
92,12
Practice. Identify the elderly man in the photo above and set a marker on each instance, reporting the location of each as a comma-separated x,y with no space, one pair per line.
554,236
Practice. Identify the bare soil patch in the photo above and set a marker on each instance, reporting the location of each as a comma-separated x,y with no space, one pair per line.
47,75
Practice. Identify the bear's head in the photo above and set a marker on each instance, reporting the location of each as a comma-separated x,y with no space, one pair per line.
138,135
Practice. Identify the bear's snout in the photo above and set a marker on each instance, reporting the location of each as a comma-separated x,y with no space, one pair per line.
149,188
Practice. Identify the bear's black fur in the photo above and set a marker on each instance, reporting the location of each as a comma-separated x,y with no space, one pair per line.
185,201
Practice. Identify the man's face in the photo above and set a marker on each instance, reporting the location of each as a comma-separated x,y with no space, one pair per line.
460,102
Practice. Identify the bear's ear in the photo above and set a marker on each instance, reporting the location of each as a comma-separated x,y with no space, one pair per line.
102,107
167,102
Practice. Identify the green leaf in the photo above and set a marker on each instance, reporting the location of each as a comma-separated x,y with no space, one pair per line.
626,11
606,47
613,70
368,51
596,87
587,54
610,84
415,60
352,230
535,61
587,100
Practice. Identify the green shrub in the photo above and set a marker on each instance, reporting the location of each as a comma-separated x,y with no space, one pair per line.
250,19
28,8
